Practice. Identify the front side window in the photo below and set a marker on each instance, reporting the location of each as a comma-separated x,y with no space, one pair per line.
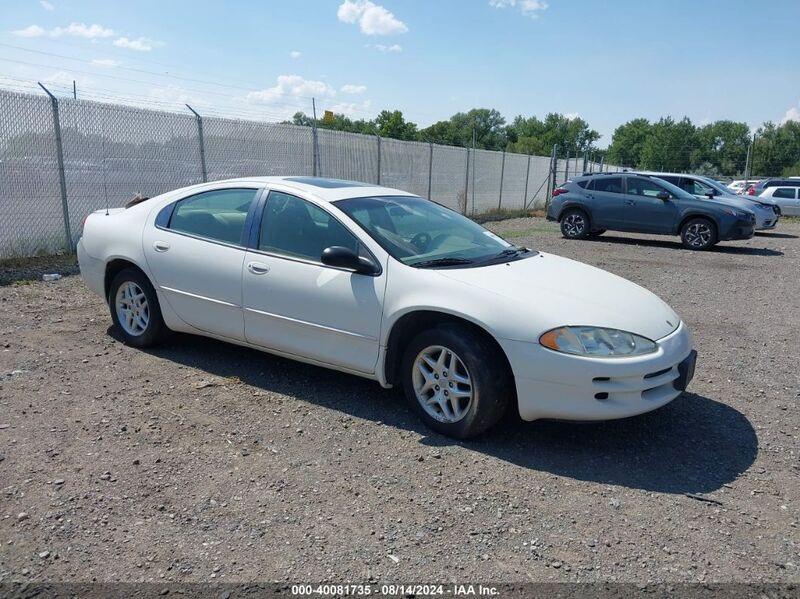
784,192
299,229
219,215
644,187
421,233
695,187
608,184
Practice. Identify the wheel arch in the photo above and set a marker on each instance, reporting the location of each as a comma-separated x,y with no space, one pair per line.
575,206
413,322
114,266
687,217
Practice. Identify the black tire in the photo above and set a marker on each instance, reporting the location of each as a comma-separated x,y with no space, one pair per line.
155,329
699,234
491,382
596,233
575,224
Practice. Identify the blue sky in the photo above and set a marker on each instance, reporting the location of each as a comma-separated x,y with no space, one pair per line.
608,62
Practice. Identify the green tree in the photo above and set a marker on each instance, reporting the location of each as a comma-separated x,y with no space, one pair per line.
488,124
669,146
777,150
534,136
722,144
628,141
392,124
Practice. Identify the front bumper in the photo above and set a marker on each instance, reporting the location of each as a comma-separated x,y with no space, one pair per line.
766,219
554,385
738,229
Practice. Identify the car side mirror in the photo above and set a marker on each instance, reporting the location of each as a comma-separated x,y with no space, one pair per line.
710,194
342,257
663,195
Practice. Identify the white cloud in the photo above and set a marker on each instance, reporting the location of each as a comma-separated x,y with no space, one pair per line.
73,29
793,114
31,31
571,116
105,62
288,86
529,8
372,19
384,48
47,5
353,89
140,44
64,78
295,54
350,109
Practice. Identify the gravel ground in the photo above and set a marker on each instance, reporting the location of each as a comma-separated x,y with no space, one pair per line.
201,461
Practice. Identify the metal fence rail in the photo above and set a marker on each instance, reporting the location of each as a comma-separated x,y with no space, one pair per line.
62,158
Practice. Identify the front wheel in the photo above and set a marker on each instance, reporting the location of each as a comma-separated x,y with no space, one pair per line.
134,308
454,381
699,234
575,224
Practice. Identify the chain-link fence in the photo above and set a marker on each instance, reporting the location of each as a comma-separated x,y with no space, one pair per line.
60,159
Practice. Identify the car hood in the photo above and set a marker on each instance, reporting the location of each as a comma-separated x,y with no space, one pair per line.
550,291
746,202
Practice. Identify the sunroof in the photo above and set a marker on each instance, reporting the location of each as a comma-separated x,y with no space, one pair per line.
327,183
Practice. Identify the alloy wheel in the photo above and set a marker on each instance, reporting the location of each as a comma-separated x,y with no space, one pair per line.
698,234
574,225
133,311
442,384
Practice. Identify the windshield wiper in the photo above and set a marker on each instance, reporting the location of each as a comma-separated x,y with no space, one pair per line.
509,252
443,262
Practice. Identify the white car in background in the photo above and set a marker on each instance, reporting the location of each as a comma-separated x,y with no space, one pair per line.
740,186
386,285
787,197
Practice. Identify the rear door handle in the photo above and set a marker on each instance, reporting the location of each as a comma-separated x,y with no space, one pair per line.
160,246
257,268
589,197
630,202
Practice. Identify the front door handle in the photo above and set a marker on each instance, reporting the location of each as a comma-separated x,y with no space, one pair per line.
160,246
630,202
257,268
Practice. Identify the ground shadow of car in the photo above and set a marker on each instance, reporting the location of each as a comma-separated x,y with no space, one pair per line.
665,243
693,445
775,235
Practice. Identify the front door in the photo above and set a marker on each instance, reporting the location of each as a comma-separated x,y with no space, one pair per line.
647,212
607,203
295,304
196,257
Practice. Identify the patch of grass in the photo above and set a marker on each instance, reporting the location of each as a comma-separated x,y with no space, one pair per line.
18,270
505,214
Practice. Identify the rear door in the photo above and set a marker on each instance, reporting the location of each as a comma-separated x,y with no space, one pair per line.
196,252
606,199
646,211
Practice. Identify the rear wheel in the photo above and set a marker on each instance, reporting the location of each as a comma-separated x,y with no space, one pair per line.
699,234
454,381
575,224
134,308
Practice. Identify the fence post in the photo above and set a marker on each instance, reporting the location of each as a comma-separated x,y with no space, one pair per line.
62,180
502,174
201,139
466,184
379,159
566,168
552,173
602,159
585,156
315,167
527,176
430,170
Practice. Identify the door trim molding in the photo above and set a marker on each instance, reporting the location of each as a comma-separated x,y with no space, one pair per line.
310,324
201,297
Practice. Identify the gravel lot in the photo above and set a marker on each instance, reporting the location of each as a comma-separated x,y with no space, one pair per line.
202,461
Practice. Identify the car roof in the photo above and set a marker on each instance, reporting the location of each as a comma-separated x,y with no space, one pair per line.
326,189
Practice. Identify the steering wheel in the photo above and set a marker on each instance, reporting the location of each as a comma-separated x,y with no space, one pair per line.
421,241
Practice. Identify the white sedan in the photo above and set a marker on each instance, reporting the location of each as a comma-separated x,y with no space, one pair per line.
386,285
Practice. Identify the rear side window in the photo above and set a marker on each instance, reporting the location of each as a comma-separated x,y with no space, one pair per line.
608,184
694,187
784,192
583,184
219,215
673,180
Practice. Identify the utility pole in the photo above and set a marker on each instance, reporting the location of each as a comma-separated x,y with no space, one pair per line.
315,168
74,90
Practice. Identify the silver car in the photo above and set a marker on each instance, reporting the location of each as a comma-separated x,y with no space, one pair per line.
766,209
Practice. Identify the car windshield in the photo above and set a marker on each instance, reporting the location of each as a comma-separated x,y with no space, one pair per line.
421,233
674,189
716,186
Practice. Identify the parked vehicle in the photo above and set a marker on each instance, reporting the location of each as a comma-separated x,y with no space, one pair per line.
787,197
741,186
762,186
588,206
766,211
386,285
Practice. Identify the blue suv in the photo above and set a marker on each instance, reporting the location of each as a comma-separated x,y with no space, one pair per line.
588,206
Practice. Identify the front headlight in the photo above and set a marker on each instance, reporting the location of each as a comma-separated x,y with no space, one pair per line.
737,213
596,342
